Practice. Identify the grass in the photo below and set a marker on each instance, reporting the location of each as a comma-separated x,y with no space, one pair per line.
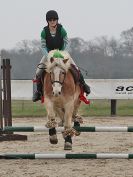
27,109
125,108
96,108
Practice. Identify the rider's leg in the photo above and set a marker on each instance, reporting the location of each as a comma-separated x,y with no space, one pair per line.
40,69
85,87
38,93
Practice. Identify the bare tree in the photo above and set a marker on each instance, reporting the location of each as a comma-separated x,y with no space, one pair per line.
23,47
114,47
127,41
35,45
102,45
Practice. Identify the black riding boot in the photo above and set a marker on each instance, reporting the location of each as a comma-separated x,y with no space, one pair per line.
38,93
85,87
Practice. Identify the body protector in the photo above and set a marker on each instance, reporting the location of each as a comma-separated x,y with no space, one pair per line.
54,42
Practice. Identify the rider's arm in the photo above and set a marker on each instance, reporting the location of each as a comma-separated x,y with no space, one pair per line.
43,44
65,38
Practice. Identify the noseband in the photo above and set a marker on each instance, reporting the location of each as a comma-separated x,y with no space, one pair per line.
61,83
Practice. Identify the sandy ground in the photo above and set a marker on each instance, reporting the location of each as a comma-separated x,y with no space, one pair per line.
87,142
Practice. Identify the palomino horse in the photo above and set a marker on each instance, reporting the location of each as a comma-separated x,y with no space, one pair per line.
61,94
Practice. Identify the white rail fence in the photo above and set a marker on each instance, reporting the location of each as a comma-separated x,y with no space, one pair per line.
100,89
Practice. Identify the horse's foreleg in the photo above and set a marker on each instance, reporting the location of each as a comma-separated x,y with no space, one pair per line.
68,131
51,122
77,119
60,113
53,136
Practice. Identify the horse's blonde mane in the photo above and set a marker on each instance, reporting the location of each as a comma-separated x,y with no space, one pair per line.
59,60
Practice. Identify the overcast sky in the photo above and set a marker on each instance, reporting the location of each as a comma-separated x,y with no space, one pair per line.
24,19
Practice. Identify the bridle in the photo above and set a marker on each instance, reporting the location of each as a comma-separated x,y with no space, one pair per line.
56,81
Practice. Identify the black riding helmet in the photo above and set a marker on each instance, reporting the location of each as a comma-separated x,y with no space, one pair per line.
51,14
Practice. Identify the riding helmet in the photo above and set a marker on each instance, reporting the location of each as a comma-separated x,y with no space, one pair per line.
51,14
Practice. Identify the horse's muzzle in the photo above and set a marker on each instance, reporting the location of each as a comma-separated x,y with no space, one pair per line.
56,94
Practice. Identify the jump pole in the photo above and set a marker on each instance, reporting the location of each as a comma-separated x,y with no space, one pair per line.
60,129
68,156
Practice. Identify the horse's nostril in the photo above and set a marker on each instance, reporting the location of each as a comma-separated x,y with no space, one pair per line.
53,93
59,93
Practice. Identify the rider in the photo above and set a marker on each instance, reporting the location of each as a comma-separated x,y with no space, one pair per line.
53,36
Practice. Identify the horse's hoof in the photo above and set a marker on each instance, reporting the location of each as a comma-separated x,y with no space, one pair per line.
68,146
77,133
53,139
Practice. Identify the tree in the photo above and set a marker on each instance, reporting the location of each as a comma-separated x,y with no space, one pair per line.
101,44
23,47
113,47
127,41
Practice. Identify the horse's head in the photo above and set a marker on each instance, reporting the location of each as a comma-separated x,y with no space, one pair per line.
57,66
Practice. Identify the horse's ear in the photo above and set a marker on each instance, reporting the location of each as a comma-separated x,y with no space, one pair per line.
51,59
65,60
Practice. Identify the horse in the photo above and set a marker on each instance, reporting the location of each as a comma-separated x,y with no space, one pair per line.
61,93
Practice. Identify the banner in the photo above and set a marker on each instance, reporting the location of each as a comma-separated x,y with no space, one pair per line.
110,88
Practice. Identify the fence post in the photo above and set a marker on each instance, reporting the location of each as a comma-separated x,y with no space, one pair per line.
113,107
7,93
1,107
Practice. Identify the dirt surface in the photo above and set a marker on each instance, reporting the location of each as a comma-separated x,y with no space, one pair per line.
87,142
